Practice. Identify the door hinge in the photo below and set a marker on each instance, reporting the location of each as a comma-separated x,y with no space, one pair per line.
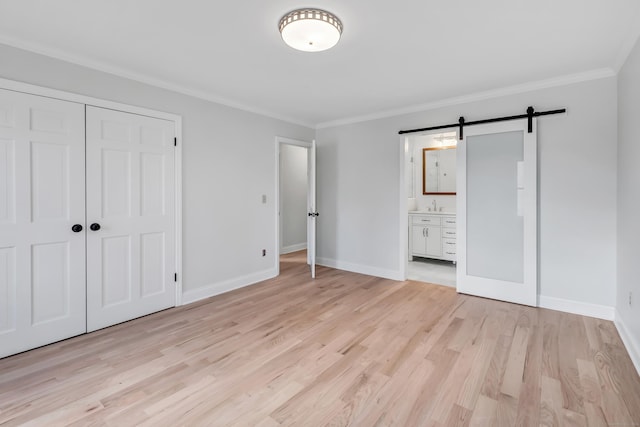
175,141
175,277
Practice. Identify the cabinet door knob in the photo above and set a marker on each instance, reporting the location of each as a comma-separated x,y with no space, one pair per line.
76,228
95,226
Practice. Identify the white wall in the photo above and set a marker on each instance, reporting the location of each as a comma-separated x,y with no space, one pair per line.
293,198
227,166
359,186
628,316
226,169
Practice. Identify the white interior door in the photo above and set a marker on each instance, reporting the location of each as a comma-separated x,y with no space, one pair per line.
313,212
42,260
130,216
497,212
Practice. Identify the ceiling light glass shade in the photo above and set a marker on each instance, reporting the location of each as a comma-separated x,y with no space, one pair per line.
310,30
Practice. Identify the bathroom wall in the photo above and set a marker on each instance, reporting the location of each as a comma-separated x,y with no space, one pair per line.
628,287
425,201
293,198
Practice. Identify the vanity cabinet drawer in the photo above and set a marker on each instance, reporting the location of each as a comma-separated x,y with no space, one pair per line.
449,249
449,222
449,233
427,220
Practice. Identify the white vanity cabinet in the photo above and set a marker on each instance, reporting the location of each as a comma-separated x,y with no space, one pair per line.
426,236
432,235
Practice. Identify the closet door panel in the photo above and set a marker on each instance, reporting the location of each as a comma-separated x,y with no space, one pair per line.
116,184
131,194
116,270
50,282
49,182
42,261
7,182
7,290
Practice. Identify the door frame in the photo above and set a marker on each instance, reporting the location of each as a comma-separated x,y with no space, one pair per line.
403,148
97,102
299,143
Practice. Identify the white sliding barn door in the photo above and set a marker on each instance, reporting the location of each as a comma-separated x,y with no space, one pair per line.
42,259
131,198
497,212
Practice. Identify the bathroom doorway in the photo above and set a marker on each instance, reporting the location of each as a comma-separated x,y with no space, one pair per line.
428,207
295,200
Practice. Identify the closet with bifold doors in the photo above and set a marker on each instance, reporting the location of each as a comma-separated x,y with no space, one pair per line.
87,218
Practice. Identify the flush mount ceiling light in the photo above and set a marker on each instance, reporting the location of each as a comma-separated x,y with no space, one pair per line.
310,30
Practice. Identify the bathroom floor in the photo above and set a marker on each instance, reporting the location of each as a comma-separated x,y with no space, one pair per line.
432,271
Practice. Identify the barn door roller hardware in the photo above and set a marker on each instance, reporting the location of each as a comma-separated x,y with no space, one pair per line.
531,113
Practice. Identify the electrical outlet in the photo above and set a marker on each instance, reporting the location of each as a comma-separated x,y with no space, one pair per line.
264,252
630,295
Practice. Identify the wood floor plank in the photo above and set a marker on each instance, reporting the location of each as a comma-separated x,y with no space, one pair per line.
550,350
551,411
484,413
613,405
529,399
342,350
573,335
513,374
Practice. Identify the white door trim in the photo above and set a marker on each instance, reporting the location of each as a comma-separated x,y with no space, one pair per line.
83,99
403,146
88,100
289,141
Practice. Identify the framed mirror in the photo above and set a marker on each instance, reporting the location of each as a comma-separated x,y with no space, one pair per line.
439,170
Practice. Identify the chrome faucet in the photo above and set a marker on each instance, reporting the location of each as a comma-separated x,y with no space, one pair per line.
433,203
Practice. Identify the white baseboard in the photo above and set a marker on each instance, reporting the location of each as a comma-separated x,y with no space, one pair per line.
576,307
632,345
359,268
227,285
293,248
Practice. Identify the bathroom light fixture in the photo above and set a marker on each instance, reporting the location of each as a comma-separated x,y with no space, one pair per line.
310,30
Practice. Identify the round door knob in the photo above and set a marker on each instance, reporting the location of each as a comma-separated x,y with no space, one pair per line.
95,226
76,228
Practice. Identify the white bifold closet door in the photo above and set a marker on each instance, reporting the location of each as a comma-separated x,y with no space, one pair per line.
63,273
42,258
131,236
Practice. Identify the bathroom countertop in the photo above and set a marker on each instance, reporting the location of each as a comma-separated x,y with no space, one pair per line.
430,213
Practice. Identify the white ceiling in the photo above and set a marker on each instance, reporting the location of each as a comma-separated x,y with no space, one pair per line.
393,54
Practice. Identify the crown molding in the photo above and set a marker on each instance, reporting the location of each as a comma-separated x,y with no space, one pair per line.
600,73
479,96
142,78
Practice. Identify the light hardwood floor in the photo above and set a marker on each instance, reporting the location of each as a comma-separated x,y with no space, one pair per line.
344,349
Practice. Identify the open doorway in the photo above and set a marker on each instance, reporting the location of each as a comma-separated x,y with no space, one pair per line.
430,188
295,201
293,198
